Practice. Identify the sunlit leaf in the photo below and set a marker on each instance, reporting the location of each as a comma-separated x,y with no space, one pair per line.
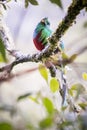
57,2
68,59
48,105
79,88
74,87
64,56
34,99
33,2
54,85
43,71
84,76
45,123
71,92
2,51
83,105
23,96
5,126
1,58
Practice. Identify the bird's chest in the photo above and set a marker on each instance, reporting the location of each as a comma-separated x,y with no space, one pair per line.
37,42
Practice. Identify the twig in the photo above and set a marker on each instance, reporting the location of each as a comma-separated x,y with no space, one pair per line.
63,90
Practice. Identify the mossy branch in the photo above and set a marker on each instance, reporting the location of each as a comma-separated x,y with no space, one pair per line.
73,11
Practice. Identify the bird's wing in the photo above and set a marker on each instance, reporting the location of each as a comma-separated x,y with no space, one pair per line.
45,33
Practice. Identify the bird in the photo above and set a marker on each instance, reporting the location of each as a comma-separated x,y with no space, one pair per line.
41,33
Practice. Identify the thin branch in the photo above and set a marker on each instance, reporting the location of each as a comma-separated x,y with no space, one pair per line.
11,76
35,57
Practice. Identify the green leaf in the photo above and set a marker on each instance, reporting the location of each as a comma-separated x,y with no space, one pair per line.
33,2
74,87
1,58
83,105
68,59
23,96
5,126
45,123
26,3
43,71
48,105
71,92
73,57
34,99
54,85
79,88
2,51
64,56
84,76
57,2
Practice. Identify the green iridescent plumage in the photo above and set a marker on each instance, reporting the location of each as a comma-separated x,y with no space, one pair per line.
45,32
41,33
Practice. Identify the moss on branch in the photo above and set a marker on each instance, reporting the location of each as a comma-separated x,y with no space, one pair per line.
73,10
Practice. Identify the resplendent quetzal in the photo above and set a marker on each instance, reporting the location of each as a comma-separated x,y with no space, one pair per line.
41,33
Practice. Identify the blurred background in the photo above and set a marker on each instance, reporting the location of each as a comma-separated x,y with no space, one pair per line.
21,22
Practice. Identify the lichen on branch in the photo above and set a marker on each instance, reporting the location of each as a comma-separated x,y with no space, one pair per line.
73,11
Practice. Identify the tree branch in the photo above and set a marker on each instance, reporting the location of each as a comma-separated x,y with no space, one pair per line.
73,11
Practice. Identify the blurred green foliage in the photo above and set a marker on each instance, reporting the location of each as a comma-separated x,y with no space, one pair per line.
2,52
34,2
48,105
55,119
54,85
43,71
5,126
57,2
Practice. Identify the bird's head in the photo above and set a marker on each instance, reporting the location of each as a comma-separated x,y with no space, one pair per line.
45,22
